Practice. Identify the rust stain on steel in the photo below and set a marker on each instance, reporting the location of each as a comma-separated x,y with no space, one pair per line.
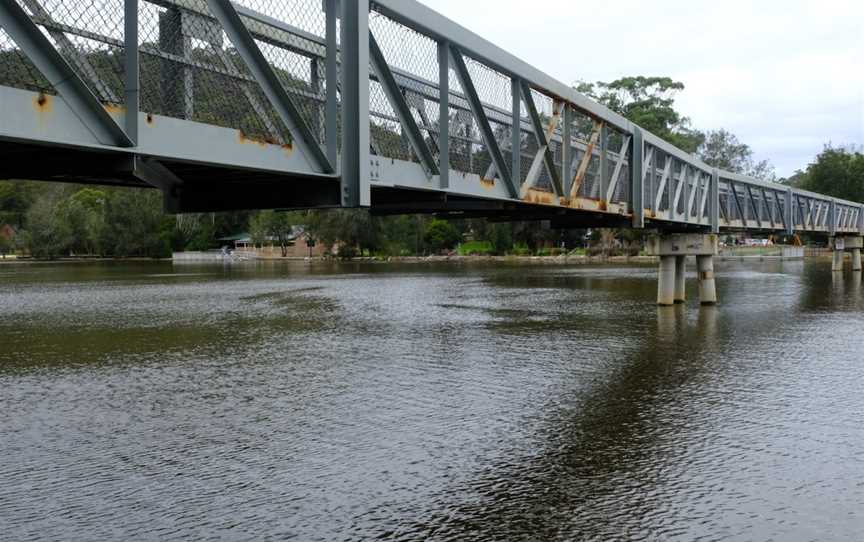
245,139
114,108
488,184
150,118
586,159
541,197
43,103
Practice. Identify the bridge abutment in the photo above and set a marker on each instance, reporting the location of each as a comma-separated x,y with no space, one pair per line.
673,250
847,243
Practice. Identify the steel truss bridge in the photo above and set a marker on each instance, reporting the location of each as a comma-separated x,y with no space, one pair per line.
325,103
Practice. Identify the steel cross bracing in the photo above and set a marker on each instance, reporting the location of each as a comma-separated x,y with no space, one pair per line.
320,103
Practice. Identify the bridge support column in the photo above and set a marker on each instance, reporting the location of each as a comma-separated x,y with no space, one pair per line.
666,281
680,276
842,244
707,288
673,250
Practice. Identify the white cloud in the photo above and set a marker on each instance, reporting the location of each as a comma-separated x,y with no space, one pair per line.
786,76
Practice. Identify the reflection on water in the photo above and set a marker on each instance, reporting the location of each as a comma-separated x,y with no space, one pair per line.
448,402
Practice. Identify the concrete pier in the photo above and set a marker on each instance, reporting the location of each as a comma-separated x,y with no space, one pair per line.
847,243
707,288
680,279
673,249
837,260
666,281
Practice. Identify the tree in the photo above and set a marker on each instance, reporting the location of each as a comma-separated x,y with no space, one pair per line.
5,245
133,224
649,102
441,235
85,211
837,172
274,226
722,149
48,233
354,228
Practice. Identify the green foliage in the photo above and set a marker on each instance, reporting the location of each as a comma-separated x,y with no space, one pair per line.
837,172
649,102
275,226
132,224
476,248
48,233
6,245
441,235
352,227
520,249
723,150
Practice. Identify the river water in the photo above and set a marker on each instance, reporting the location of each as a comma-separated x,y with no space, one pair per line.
424,401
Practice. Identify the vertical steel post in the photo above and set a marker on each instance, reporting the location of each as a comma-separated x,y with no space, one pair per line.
832,217
516,132
355,104
130,52
177,88
637,194
331,128
604,161
315,82
788,212
444,113
860,224
714,201
567,158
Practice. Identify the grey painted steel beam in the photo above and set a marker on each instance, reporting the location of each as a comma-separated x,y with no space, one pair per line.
616,173
331,69
132,90
567,145
637,207
444,114
356,170
403,111
542,140
71,88
279,98
756,212
714,201
480,116
737,201
515,131
603,185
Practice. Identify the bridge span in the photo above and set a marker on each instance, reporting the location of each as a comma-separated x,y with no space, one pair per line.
383,104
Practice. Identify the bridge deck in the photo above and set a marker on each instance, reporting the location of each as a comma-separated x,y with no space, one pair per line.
278,104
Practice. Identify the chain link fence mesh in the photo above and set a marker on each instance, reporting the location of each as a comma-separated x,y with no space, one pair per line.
17,71
89,36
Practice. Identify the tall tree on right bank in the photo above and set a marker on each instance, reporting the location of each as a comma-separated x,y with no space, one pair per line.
722,149
837,172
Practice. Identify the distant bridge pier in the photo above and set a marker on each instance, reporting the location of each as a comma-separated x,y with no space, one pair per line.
673,250
844,243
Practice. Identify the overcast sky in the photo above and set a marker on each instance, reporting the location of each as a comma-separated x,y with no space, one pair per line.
786,76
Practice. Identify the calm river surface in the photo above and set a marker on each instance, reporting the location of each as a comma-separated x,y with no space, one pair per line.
424,401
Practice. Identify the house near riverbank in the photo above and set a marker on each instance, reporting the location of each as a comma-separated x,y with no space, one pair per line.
298,245
7,240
